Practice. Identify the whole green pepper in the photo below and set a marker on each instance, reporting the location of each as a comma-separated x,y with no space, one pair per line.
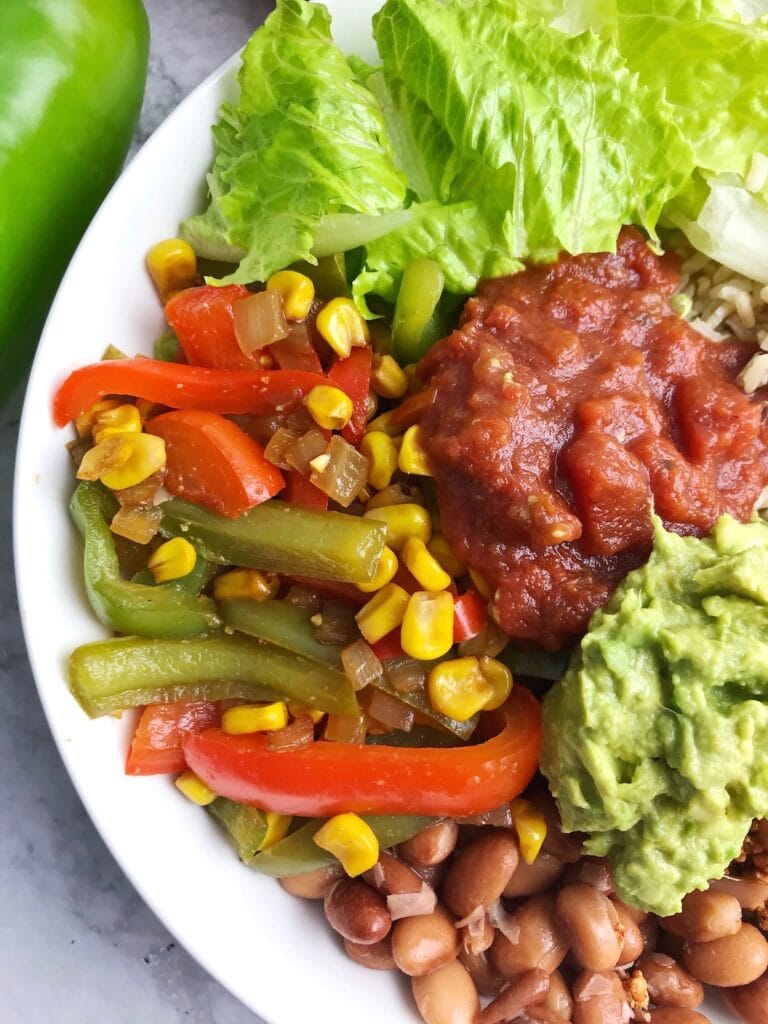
72,78
165,610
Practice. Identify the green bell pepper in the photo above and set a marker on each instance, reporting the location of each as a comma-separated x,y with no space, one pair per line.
129,672
125,606
71,83
281,623
245,826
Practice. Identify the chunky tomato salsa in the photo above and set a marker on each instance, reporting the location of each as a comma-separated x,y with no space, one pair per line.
571,400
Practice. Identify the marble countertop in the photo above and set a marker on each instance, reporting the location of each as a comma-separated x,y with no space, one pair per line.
77,944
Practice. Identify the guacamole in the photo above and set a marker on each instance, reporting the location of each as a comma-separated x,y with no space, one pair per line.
656,738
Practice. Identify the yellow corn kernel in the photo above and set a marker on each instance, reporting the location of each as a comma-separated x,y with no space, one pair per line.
195,789
427,629
385,571
388,379
457,688
351,840
84,423
329,407
340,323
441,550
499,678
246,718
172,265
297,292
531,828
277,829
122,419
412,457
423,565
172,560
481,583
384,423
123,460
383,613
297,710
392,495
245,583
403,521
381,452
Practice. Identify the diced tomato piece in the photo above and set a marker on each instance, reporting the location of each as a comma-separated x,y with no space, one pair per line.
353,376
300,491
156,744
470,614
212,462
203,321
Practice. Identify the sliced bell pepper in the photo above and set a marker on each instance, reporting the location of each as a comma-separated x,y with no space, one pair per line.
353,376
470,614
302,492
330,778
278,537
212,462
129,672
182,387
389,646
156,745
203,321
281,623
419,701
246,827
164,610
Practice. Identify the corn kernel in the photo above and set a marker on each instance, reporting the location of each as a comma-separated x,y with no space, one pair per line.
247,718
245,583
423,565
403,521
427,629
383,613
329,407
481,583
412,457
298,710
195,789
499,678
385,571
172,560
84,423
277,829
122,419
297,291
384,423
381,452
123,460
531,828
172,265
392,495
457,688
340,323
351,840
110,454
440,549
388,379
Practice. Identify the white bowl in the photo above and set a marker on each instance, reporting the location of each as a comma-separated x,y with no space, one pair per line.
275,952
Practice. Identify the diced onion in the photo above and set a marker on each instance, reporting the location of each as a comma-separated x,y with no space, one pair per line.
137,524
596,986
303,597
500,817
337,624
345,475
259,320
405,674
142,493
390,712
412,904
360,664
295,351
505,923
344,729
278,446
304,449
489,641
299,734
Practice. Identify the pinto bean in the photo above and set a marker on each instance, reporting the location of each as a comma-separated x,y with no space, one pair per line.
488,981
632,938
391,876
676,1015
650,932
599,998
312,885
637,915
729,961
751,892
529,879
356,912
524,992
425,942
433,875
594,871
750,1002
589,923
480,872
478,938
669,984
705,916
558,1000
446,996
377,956
538,941
431,846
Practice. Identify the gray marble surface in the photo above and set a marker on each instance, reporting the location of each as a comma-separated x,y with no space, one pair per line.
77,944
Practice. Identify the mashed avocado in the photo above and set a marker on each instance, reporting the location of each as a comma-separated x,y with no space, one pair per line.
656,738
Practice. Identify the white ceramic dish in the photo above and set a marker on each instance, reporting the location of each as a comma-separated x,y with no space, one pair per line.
274,952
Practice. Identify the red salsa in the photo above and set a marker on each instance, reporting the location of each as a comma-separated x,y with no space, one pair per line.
571,400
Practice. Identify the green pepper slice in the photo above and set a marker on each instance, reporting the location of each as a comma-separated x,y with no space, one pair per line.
278,537
129,672
281,623
154,611
245,826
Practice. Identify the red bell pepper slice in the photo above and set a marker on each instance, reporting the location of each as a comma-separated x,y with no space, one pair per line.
389,646
156,745
212,462
353,376
302,492
182,387
330,778
470,614
203,321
